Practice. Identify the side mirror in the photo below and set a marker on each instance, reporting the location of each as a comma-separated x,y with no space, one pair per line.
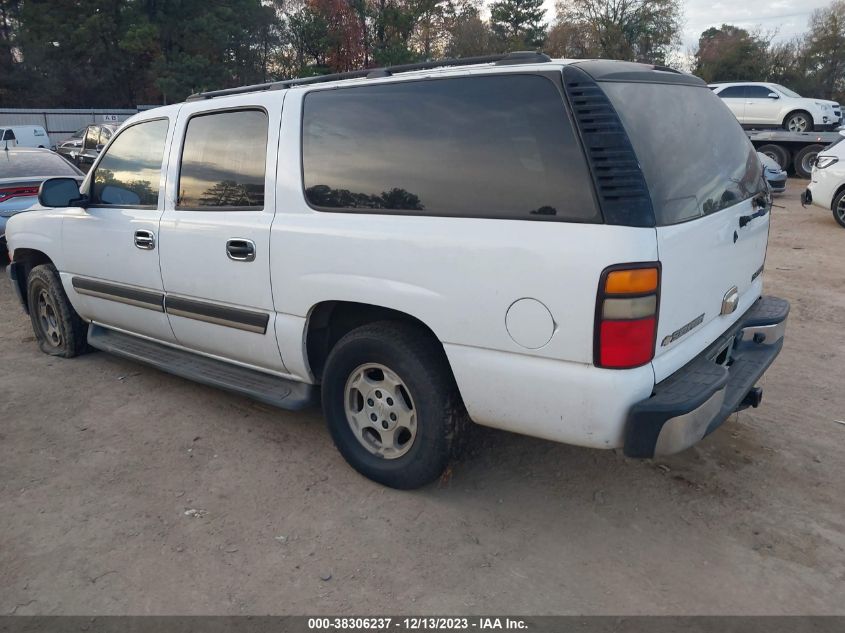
773,95
61,192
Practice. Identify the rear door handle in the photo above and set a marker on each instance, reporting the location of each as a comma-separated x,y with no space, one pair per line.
145,240
240,250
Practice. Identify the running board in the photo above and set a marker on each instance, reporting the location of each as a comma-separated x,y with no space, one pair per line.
266,388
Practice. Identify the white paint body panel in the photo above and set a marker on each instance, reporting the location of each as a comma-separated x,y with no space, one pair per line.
700,263
192,249
825,183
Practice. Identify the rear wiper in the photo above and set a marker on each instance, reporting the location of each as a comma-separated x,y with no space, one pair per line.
763,208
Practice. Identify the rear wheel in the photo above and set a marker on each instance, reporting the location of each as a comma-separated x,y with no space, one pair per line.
804,160
839,208
798,122
391,403
59,330
777,153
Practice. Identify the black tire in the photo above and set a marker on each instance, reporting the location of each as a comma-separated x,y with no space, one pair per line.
777,153
4,251
59,330
793,122
803,161
838,208
414,356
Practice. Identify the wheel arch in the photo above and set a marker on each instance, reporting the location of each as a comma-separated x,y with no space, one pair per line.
23,261
328,321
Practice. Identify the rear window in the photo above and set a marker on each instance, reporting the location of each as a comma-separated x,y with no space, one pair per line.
695,156
223,161
492,147
23,164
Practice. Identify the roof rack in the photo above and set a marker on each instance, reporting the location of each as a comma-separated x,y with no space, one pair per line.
516,57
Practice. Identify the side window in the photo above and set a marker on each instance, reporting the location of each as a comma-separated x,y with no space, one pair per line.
734,92
223,161
130,171
92,137
490,147
757,92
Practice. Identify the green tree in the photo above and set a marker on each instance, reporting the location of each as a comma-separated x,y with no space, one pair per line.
825,50
467,35
635,30
729,53
518,23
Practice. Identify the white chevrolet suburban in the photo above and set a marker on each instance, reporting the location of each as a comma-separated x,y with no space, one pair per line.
567,249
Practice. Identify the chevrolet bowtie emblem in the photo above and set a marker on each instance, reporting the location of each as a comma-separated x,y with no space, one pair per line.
730,301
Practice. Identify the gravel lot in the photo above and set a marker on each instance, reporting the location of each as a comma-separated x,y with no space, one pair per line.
103,463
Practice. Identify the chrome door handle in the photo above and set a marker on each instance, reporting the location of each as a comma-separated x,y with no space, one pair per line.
240,250
145,240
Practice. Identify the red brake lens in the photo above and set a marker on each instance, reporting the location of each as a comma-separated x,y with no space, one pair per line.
627,343
626,315
17,192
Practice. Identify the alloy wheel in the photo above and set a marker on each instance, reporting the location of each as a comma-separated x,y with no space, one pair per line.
380,411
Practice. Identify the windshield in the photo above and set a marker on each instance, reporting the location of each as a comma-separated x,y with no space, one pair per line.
695,156
35,164
787,91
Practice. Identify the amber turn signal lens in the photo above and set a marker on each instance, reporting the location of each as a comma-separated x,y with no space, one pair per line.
634,281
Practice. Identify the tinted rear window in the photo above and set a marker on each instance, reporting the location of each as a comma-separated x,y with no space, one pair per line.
494,147
223,161
693,152
43,163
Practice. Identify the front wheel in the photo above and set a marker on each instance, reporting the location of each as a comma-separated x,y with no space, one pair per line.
59,330
839,208
391,403
798,122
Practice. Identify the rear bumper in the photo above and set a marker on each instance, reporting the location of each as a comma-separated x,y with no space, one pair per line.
777,185
697,399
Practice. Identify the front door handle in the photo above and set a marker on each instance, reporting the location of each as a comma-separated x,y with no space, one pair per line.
240,250
145,240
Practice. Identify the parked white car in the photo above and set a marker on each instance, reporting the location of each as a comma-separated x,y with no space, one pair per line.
502,240
23,136
772,105
827,181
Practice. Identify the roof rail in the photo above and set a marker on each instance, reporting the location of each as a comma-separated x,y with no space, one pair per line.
516,57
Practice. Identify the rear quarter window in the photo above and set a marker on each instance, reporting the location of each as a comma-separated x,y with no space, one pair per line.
693,152
491,147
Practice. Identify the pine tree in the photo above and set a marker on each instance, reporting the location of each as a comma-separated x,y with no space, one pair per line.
518,24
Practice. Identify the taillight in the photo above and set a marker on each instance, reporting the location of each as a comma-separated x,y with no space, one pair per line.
17,192
626,315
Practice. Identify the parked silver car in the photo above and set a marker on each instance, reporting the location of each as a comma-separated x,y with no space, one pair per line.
772,172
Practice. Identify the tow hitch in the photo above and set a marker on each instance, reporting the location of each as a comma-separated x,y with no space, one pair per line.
752,399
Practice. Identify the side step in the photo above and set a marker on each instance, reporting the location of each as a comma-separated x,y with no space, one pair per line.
266,388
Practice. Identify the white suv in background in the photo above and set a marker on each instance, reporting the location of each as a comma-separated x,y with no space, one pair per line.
757,103
414,245
827,182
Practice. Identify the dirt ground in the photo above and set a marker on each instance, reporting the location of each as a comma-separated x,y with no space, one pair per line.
100,459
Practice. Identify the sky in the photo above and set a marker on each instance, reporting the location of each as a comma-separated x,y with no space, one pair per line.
788,17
